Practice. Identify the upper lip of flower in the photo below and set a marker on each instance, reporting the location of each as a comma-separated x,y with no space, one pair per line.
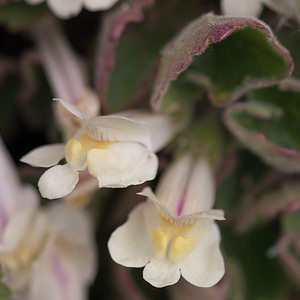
215,214
186,192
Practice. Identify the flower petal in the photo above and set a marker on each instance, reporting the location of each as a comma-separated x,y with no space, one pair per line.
74,224
99,4
204,266
122,164
187,187
58,182
44,156
66,8
9,187
65,71
118,129
15,229
163,210
129,244
215,214
18,270
55,275
76,227
162,126
73,109
251,8
13,196
161,272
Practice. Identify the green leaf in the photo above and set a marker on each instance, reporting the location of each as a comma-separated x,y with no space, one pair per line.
225,54
250,250
130,81
270,125
113,26
20,15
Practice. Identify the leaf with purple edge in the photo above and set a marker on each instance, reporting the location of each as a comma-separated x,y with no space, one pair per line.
284,198
129,82
270,125
114,24
229,54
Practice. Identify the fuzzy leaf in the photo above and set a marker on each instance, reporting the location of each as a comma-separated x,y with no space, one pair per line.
249,249
129,83
113,25
241,52
285,198
270,125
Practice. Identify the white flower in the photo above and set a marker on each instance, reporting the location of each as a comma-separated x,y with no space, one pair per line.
251,8
116,150
162,126
45,254
69,8
67,265
17,203
174,233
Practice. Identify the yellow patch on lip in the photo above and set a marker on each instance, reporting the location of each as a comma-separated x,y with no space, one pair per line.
89,143
160,241
75,149
172,240
181,247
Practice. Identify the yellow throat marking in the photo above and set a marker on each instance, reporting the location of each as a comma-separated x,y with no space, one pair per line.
74,149
26,252
172,241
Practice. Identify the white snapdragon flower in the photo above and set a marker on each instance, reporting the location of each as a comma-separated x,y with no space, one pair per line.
69,8
45,254
67,264
18,211
114,149
174,233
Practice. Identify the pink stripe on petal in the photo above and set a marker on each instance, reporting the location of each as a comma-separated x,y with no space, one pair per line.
183,196
3,216
60,273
